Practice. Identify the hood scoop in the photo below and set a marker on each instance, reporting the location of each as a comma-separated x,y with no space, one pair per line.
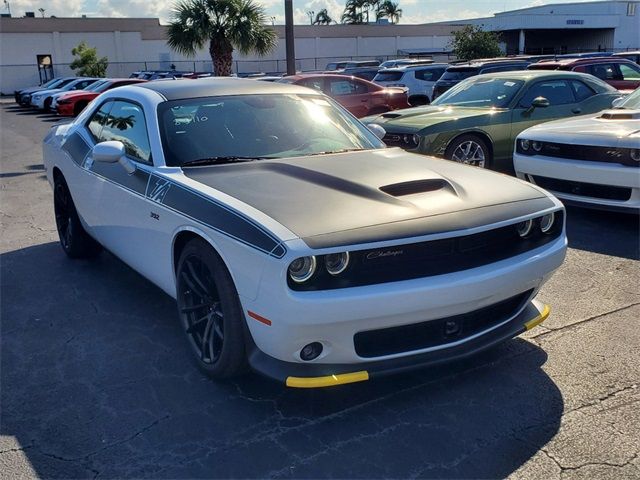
391,115
414,186
620,114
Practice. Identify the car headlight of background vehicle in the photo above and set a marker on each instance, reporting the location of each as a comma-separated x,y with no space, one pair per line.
635,154
411,140
336,263
302,269
525,144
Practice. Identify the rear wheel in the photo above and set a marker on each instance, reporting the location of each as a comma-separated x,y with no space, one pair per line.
75,241
470,150
47,104
210,311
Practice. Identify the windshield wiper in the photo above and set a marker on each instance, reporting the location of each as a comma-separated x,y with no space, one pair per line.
220,160
343,150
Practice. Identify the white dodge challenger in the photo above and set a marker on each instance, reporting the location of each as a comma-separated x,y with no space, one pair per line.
590,161
293,241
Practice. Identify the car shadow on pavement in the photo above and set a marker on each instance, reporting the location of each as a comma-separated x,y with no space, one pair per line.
96,380
599,231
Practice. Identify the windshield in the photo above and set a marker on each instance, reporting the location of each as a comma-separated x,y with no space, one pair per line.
388,76
481,92
51,83
632,102
95,87
460,74
258,126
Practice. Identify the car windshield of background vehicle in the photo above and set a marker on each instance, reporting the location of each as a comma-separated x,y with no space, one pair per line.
96,86
257,127
481,92
632,102
459,74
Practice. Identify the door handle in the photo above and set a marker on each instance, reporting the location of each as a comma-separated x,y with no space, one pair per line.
577,110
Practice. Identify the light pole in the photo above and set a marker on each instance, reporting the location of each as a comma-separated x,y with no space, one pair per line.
6,4
311,13
273,21
289,38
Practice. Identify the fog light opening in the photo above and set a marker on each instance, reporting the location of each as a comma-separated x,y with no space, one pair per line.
311,351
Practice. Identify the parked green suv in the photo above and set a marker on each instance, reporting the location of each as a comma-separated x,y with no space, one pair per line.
477,121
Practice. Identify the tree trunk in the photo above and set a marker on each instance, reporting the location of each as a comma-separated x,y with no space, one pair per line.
221,52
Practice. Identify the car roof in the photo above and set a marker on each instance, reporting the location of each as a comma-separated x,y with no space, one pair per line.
215,86
408,68
482,63
582,61
621,54
534,74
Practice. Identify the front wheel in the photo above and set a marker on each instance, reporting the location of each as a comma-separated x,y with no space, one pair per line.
470,150
75,241
210,311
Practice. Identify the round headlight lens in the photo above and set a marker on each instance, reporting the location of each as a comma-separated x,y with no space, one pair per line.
525,144
546,222
336,263
524,228
416,139
302,269
635,154
537,146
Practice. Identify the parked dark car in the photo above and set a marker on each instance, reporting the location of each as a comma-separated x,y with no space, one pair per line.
358,96
633,56
367,73
333,66
620,73
461,71
23,96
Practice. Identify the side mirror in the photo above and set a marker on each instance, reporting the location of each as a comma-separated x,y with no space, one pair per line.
112,152
540,102
377,130
617,102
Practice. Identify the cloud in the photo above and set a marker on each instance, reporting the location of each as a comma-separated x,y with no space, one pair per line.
59,8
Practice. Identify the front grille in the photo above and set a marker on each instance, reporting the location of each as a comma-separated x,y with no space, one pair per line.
432,333
587,153
435,257
606,192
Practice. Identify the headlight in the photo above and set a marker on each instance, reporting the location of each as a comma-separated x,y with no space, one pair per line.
524,228
635,154
411,140
336,263
537,146
302,269
525,144
546,222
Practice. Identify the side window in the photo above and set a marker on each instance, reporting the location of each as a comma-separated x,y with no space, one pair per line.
83,84
428,74
581,90
315,83
629,72
604,71
96,122
345,87
125,123
557,92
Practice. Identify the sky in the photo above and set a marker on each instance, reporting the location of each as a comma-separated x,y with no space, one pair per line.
414,11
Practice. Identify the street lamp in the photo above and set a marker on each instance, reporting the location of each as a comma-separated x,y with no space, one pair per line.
273,20
311,13
7,6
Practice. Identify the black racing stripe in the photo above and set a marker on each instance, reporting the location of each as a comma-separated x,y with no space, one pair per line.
76,146
136,182
220,218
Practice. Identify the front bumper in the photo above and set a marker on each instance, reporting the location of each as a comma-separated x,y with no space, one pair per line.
65,109
312,375
593,176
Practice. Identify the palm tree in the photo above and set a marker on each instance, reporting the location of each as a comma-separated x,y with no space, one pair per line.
224,25
352,13
390,10
323,18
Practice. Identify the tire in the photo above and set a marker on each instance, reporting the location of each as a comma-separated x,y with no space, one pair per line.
471,150
75,241
77,109
210,312
47,104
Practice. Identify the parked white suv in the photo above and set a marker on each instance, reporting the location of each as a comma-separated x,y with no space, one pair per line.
419,79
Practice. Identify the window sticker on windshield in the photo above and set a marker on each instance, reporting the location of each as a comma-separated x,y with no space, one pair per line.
509,84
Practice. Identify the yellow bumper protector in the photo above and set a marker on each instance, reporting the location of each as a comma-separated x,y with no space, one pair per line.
328,381
539,319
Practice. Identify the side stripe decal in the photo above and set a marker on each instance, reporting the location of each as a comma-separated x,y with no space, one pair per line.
178,198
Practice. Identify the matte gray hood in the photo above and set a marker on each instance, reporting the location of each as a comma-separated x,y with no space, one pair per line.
375,195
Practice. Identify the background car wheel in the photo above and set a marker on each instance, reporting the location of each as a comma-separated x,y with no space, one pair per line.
210,311
47,104
470,150
78,108
75,241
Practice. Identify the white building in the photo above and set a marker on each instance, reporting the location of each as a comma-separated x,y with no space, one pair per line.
140,43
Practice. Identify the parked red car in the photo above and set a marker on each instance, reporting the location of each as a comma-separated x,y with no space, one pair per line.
359,96
620,73
72,103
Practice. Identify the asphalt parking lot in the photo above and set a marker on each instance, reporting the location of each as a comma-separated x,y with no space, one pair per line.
96,382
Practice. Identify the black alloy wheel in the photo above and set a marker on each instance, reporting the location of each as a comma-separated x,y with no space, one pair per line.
74,240
209,310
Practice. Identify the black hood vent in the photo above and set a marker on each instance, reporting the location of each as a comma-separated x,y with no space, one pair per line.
391,115
414,186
